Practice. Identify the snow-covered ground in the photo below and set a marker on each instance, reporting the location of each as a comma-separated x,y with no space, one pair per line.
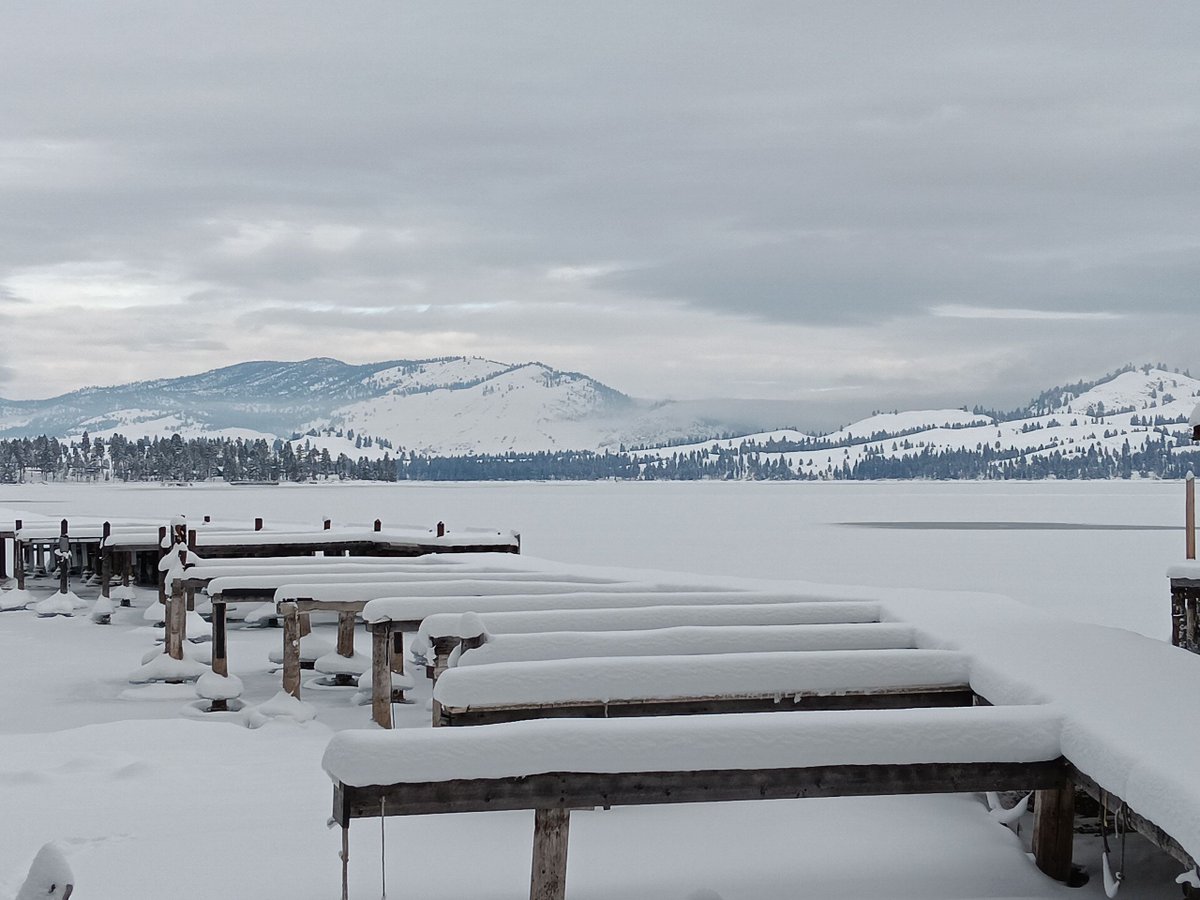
145,800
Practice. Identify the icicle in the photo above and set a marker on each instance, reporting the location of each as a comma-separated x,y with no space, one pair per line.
1112,882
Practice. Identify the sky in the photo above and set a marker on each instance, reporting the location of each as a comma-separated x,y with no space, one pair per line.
850,205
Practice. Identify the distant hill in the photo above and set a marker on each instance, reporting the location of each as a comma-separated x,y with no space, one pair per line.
1117,415
467,406
449,405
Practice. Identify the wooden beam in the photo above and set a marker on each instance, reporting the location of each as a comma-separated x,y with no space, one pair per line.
551,828
1054,830
1141,824
105,561
571,790
695,706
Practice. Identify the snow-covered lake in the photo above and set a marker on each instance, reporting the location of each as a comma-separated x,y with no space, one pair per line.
146,801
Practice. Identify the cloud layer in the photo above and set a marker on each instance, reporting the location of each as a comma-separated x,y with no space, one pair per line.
865,205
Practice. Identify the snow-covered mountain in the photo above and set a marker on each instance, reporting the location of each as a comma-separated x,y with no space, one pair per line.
444,406
461,405
1130,408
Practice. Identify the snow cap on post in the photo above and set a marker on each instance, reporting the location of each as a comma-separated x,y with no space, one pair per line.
50,876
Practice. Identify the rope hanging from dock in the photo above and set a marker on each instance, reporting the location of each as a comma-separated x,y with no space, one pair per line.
1112,880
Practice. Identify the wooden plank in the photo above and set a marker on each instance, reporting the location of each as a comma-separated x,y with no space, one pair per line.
1054,830
693,706
548,880
569,790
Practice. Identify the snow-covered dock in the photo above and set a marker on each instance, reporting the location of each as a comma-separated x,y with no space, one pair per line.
1012,658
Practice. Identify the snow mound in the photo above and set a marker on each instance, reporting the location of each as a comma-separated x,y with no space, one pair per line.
211,686
166,668
60,604
50,876
14,599
282,706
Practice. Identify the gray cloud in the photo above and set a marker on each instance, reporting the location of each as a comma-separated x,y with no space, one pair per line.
411,174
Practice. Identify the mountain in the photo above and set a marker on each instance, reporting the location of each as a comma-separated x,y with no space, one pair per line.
1118,414
440,406
467,405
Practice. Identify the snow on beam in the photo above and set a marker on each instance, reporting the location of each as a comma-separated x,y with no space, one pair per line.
641,678
801,610
767,741
693,639
642,618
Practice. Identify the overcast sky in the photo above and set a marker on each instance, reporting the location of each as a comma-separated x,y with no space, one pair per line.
858,205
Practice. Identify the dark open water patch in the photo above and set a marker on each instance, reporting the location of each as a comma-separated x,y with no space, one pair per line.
1010,526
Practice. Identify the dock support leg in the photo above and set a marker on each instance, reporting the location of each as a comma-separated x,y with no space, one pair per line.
1054,830
291,653
550,832
381,677
345,862
176,621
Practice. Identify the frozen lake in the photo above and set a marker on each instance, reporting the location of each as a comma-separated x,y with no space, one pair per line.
138,795
1091,550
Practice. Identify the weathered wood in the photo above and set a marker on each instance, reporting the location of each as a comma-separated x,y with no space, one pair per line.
105,560
397,650
64,558
694,706
381,678
442,647
1054,830
1190,517
551,828
571,790
220,655
176,621
305,624
162,576
18,556
1140,823
291,652
345,634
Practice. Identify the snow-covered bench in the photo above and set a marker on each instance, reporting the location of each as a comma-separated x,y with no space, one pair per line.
554,766
696,684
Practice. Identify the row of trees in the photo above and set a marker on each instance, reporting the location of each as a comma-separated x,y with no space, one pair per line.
176,459
200,459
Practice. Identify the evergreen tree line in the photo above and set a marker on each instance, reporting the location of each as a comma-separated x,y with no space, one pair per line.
199,459
177,459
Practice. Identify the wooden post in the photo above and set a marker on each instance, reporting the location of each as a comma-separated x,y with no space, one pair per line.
258,524
1190,515
398,652
18,555
381,676
162,577
550,831
64,557
176,620
441,529
191,545
220,655
345,862
1054,830
326,524
126,575
379,525
4,558
105,560
305,624
291,650
345,634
